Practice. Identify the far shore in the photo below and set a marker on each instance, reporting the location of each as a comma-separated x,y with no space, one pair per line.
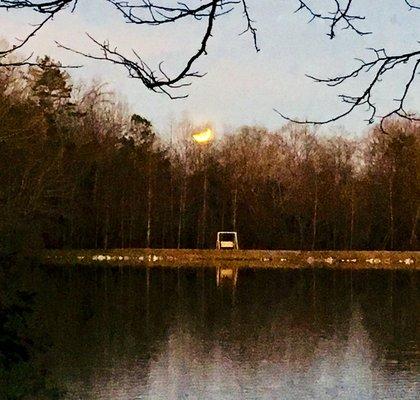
136,257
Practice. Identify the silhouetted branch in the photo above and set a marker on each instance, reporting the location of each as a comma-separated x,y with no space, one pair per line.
138,69
144,12
341,14
44,7
411,5
149,13
50,8
250,27
380,65
400,111
159,12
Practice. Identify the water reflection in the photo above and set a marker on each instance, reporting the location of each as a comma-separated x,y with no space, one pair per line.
175,334
336,368
226,275
23,371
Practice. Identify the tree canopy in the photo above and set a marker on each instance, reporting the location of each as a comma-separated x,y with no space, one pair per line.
91,175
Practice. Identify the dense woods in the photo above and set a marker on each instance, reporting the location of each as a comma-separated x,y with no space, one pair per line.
77,171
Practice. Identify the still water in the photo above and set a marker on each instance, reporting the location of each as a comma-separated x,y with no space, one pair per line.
259,334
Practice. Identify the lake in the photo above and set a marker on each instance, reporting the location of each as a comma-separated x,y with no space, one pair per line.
132,333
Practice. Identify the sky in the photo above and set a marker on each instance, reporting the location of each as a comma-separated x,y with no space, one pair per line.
241,87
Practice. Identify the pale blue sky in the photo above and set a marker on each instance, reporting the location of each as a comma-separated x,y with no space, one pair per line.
241,86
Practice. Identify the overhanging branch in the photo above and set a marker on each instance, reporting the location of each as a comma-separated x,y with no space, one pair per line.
381,65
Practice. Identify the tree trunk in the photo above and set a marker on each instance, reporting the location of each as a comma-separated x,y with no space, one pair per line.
122,223
106,227
96,205
301,232
182,200
351,218
315,214
413,236
149,212
204,211
391,211
171,207
130,226
235,207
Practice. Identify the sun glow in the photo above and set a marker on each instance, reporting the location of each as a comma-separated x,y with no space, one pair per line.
203,136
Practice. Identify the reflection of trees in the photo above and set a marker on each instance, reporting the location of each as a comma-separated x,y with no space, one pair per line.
389,304
100,325
22,373
110,333
276,332
273,312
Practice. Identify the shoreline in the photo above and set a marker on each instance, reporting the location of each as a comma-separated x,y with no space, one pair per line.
334,259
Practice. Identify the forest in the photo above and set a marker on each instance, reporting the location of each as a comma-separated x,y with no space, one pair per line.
78,170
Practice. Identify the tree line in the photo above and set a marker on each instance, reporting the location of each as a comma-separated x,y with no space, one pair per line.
78,171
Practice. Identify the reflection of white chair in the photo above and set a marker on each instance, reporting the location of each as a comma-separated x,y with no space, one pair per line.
227,241
226,274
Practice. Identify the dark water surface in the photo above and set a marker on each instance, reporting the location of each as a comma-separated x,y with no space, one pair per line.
175,334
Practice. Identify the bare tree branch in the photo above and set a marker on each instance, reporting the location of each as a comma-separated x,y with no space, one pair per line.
138,69
411,5
144,12
250,27
379,66
382,64
159,12
148,13
49,8
341,14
